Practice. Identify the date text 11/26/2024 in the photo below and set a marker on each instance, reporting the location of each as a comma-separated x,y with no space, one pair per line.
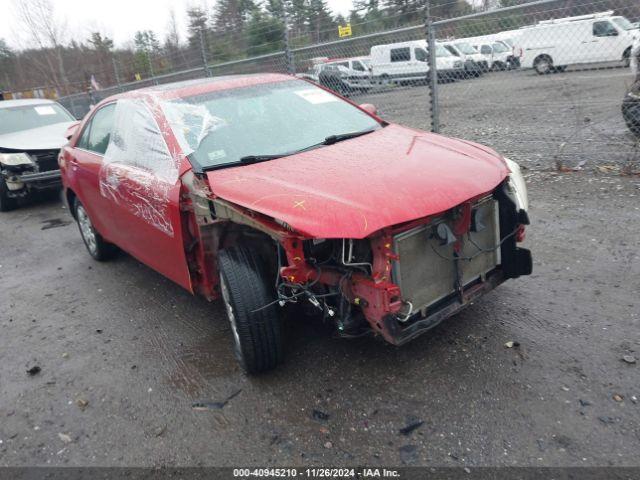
315,473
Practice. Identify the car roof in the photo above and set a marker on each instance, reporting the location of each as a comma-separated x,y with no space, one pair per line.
24,102
188,88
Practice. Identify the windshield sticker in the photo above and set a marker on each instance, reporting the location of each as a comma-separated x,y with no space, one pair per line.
45,110
316,96
217,155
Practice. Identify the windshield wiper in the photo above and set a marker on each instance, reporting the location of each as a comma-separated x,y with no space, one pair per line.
331,139
261,158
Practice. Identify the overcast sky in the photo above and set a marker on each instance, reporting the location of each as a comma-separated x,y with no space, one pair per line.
118,19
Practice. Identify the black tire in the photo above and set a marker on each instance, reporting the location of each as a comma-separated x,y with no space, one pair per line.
543,65
246,290
6,204
626,58
97,247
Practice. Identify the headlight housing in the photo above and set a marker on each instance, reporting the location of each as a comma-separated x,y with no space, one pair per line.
517,185
15,159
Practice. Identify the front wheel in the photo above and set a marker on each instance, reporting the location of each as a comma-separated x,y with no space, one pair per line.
249,298
6,203
97,247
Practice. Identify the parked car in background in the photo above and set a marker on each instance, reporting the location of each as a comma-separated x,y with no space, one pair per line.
406,62
345,75
634,62
505,37
497,54
552,45
474,62
31,134
378,227
631,108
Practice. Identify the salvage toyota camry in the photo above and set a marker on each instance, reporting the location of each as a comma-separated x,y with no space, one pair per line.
267,190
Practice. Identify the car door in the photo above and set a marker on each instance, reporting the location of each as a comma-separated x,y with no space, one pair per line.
140,178
85,161
359,73
604,46
487,51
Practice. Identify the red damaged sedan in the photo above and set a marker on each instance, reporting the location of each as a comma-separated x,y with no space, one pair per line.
267,190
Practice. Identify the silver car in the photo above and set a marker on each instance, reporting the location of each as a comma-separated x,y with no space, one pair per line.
31,135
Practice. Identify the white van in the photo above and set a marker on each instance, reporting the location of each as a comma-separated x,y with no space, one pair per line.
407,61
552,45
508,38
497,54
474,62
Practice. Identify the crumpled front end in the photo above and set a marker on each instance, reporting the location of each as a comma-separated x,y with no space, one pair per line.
24,171
405,279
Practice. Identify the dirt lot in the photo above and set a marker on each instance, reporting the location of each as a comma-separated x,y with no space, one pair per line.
124,353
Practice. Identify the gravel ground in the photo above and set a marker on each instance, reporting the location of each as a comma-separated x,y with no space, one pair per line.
124,353
540,121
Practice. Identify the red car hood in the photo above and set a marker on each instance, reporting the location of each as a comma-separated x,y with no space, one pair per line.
358,186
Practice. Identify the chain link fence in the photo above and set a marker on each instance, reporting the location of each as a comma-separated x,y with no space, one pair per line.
541,82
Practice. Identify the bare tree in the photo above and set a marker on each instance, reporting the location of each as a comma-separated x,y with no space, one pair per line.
46,33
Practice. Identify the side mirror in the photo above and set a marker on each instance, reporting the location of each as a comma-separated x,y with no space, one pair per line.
369,108
71,130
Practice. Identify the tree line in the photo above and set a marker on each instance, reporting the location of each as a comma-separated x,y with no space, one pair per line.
230,30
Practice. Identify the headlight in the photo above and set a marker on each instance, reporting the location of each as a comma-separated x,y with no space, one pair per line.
15,159
517,185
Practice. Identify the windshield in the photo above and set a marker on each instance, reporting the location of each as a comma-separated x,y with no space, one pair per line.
442,52
499,48
26,117
507,41
465,48
623,23
220,128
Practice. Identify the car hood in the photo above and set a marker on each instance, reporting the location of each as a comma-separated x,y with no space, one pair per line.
359,186
48,137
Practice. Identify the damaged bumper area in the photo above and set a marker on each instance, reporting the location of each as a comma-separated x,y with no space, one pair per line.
406,279
27,171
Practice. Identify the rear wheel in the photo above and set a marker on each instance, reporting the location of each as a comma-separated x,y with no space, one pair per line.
543,64
248,297
6,203
97,247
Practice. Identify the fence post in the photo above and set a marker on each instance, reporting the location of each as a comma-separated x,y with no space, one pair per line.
203,53
115,70
151,71
433,71
288,54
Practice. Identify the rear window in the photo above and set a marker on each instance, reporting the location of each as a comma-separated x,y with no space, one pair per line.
26,117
